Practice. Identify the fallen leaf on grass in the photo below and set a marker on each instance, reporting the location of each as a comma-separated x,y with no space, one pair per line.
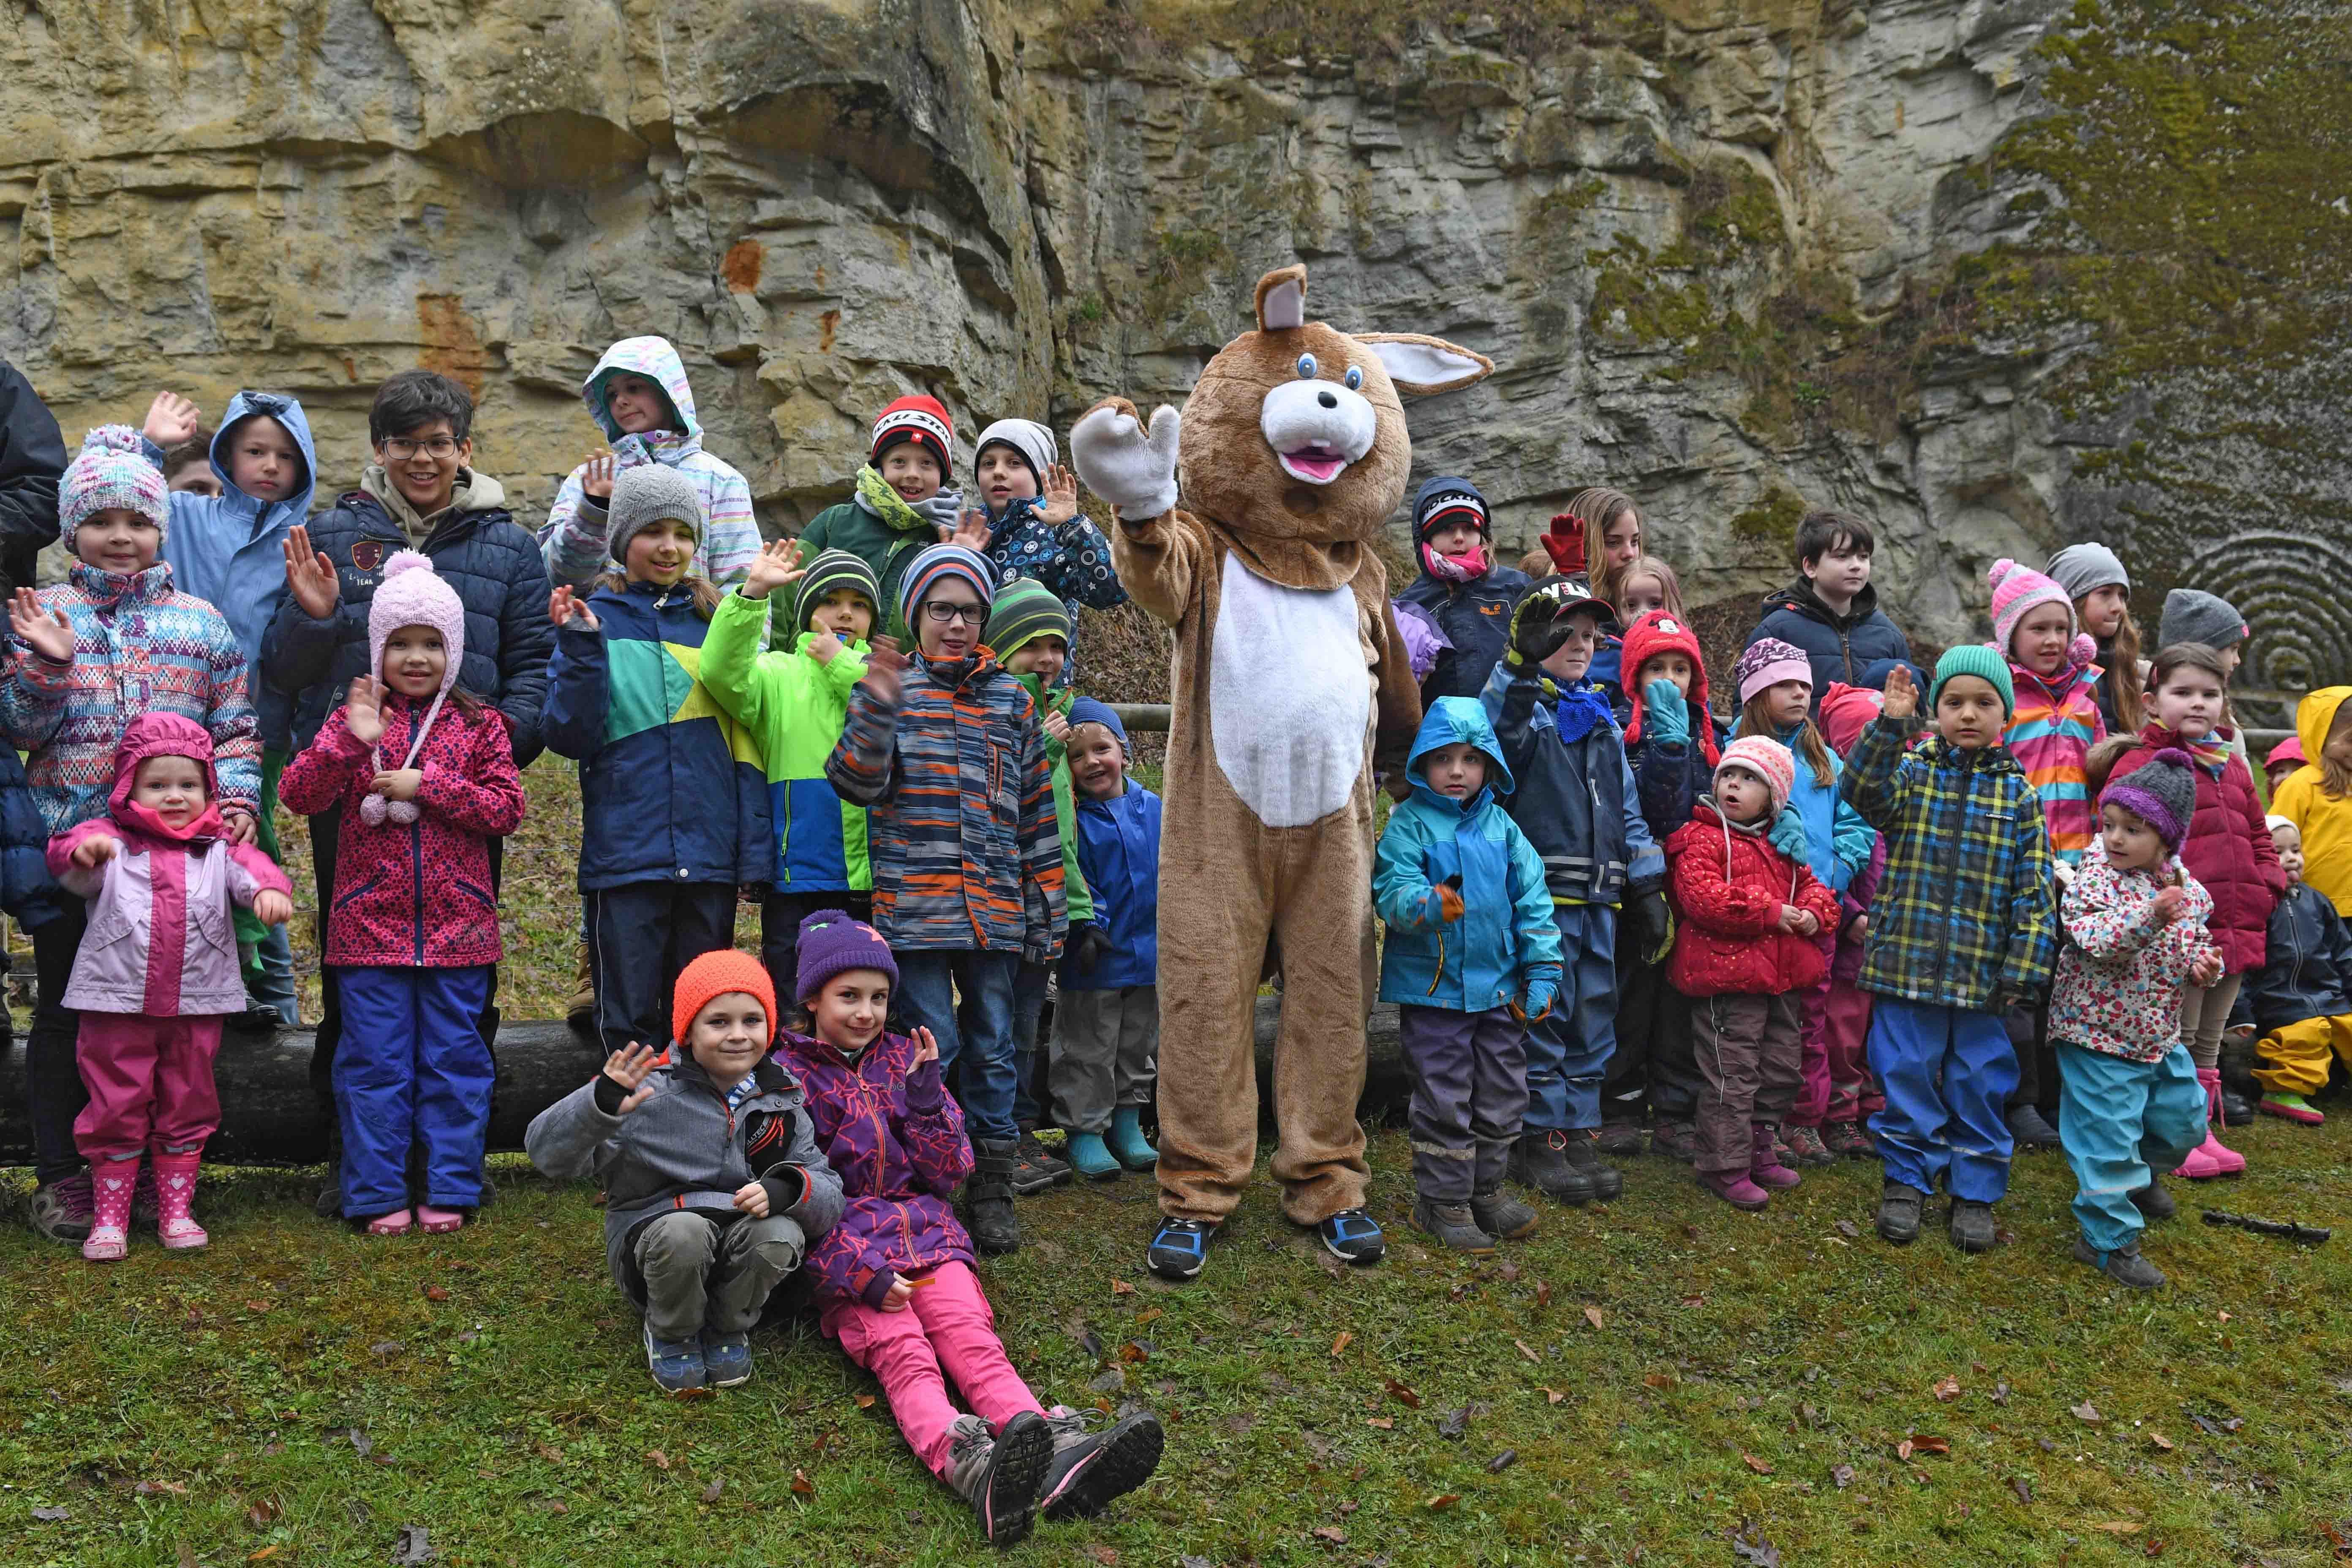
1931,1445
2022,1488
2000,1394
1131,1352
1502,1461
551,1505
2119,1526
553,1455
1148,1315
2161,1441
1382,1422
257,1305
1948,1389
865,1402
1592,1316
802,1485
1121,1287
413,1545
1107,1556
1332,1533
157,1489
1442,1500
1848,1229
1842,1475
1341,1340
362,1444
1658,1380
1755,1464
1543,1292
1402,1394
52,1515
1695,1300
656,1459
2087,1410
264,1555
711,1492
436,1292
1553,1396
1752,1547
1527,1353
386,1348
261,1513
1457,1422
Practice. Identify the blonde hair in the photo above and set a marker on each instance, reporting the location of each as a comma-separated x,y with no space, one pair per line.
2335,777
1807,742
1538,563
1597,507
2123,687
1668,584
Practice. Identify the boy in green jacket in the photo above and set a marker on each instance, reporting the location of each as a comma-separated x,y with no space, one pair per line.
898,509
795,702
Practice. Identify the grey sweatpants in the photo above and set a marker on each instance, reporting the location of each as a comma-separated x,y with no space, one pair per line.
1106,1054
1469,1096
709,1269
1750,1053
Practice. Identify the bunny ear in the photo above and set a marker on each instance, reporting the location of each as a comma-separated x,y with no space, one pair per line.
1423,366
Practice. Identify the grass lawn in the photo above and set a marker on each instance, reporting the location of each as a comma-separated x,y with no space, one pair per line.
1663,1369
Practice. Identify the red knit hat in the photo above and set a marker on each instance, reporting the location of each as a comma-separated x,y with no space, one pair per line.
918,419
715,974
1657,632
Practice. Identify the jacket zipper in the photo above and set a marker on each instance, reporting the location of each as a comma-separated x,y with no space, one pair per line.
1439,978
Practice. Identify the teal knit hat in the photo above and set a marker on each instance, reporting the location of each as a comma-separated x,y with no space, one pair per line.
828,571
1981,660
1026,610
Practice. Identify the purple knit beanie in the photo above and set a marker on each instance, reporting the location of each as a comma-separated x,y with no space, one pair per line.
112,470
2160,792
830,943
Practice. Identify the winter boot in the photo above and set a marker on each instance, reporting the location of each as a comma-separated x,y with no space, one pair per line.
1620,1138
2289,1107
2031,1129
1764,1167
1674,1138
1035,1167
988,1198
1898,1212
1089,1469
146,1204
1502,1216
1971,1226
175,1196
2209,1159
2125,1265
1540,1160
2240,1090
2153,1202
110,1232
1735,1188
1452,1225
1584,1155
1091,1159
62,1209
580,1012
1127,1142
1847,1141
1808,1146
1000,1476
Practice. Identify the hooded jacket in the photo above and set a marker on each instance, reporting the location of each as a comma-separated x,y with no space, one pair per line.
576,535
2055,723
2325,820
414,895
1118,852
1575,800
478,549
1506,935
1474,616
32,460
895,1136
2308,969
1966,905
671,788
159,942
229,549
2119,973
684,1148
1728,885
139,647
1840,648
793,707
2228,847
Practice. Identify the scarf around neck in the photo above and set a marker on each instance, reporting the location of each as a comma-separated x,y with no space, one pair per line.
1582,704
1456,569
876,496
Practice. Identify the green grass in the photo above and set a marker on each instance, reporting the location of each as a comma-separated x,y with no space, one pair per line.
198,1409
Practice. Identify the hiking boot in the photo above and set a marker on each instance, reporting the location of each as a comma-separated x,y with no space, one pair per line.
1898,1212
1847,1141
63,1209
1583,1153
1034,1168
1501,1215
2153,1202
1807,1147
1088,1470
1971,1226
726,1359
1000,1476
1352,1235
1090,1157
1735,1188
2027,1126
2288,1107
2125,1265
1540,1160
1675,1139
1127,1144
988,1198
1179,1248
146,1203
1620,1138
580,1012
1764,1167
1452,1225
676,1365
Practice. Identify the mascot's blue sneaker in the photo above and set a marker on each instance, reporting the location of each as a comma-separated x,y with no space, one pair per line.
1179,1248
1352,1235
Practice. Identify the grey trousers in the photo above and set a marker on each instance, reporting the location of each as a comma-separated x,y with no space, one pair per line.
707,1268
1106,1054
1750,1052
1469,1096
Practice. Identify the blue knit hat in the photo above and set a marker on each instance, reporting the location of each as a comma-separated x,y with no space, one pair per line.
939,562
1981,660
1087,710
1874,673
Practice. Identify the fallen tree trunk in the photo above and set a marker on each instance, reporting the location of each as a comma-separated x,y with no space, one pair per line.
270,1117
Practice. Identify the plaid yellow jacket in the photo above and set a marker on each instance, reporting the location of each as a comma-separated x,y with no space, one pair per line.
1969,905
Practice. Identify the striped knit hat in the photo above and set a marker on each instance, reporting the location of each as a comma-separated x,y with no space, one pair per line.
112,470
1768,760
1025,610
1977,659
828,571
943,561
2016,589
921,420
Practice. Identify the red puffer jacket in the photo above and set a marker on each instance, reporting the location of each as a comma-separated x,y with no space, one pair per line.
1728,885
2228,849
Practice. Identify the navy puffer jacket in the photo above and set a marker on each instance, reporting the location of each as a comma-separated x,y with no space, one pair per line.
1840,648
2308,965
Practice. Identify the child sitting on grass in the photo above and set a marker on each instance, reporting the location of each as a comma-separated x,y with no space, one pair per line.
2130,1101
714,1186
898,509
2302,995
894,1277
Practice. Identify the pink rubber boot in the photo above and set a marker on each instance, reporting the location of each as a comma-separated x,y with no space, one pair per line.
176,1194
111,1183
2211,1159
1764,1167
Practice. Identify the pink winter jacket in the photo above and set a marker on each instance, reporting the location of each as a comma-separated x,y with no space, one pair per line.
414,895
160,943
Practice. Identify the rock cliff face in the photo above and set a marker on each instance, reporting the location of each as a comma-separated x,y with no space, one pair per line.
1994,273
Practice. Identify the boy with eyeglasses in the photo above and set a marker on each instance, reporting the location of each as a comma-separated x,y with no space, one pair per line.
942,749
421,494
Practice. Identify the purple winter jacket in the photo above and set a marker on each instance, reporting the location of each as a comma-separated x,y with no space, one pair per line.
896,1140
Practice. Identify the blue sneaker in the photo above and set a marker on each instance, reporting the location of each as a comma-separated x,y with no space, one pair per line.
676,1365
1179,1248
1352,1235
727,1358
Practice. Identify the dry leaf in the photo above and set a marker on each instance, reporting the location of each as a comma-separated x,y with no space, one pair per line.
1592,1316
52,1515
157,1489
710,1493
1543,1292
1147,1315
264,1555
1658,1380
414,1545
436,1292
1931,1445
553,1505
1382,1422
1105,1555
656,1459
1527,1353
261,1514
1553,1396
2086,1410
865,1402
1402,1394
2022,1488
1842,1475
1848,1229
802,1485
1340,1342
2161,1441
1121,1287
1443,1500
1948,1389
553,1455
1330,1532
1755,1464
257,1305
1700,1301
1131,1352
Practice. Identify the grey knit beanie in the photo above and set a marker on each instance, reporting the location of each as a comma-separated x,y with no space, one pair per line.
2160,792
2081,569
2192,614
647,494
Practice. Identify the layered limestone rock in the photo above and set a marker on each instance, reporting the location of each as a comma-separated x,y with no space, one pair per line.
1994,273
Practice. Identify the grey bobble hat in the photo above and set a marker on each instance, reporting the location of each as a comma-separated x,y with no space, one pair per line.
2193,614
646,494
2082,569
2160,792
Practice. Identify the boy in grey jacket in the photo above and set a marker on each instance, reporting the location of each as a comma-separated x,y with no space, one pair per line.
714,1184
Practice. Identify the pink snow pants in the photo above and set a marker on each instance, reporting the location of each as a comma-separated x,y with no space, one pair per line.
149,1081
949,1325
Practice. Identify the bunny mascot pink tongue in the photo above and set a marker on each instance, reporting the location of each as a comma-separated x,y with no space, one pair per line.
412,595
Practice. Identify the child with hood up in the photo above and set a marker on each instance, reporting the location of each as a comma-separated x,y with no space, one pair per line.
1471,957
899,509
1028,522
1462,590
2317,796
638,396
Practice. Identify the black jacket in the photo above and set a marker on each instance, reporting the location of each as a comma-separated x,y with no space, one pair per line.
2308,966
32,457
1475,618
1840,647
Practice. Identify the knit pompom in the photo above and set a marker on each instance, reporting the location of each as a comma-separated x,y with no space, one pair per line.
114,438
2172,754
2082,650
407,561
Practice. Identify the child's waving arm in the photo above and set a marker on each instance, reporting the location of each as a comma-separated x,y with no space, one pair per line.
572,720
732,671
337,762
487,795
932,1134
39,674
864,763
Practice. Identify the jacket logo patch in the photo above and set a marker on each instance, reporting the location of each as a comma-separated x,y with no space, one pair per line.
367,554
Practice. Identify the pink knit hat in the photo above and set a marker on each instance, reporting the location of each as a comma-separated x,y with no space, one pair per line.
2016,589
1766,662
413,593
112,470
1768,760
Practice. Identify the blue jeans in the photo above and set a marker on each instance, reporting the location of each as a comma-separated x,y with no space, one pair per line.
1569,1048
2122,1122
411,1067
1028,1008
974,1029
1946,1073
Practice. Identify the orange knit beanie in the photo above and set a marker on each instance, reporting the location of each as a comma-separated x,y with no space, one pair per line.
715,974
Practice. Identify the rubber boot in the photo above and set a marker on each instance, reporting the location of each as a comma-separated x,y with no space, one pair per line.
175,1195
2209,1159
1584,1152
2239,1088
1091,1160
112,1182
1540,1160
1735,1188
988,1197
1500,1214
1764,1167
1127,1142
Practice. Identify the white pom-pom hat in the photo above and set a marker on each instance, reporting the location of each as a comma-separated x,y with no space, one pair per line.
412,595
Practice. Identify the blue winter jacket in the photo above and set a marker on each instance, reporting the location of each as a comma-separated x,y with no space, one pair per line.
1118,850
1576,801
27,890
1506,935
671,789
1840,648
1476,618
1838,842
229,549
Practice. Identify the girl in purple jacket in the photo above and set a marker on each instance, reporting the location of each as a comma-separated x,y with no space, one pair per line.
894,1275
